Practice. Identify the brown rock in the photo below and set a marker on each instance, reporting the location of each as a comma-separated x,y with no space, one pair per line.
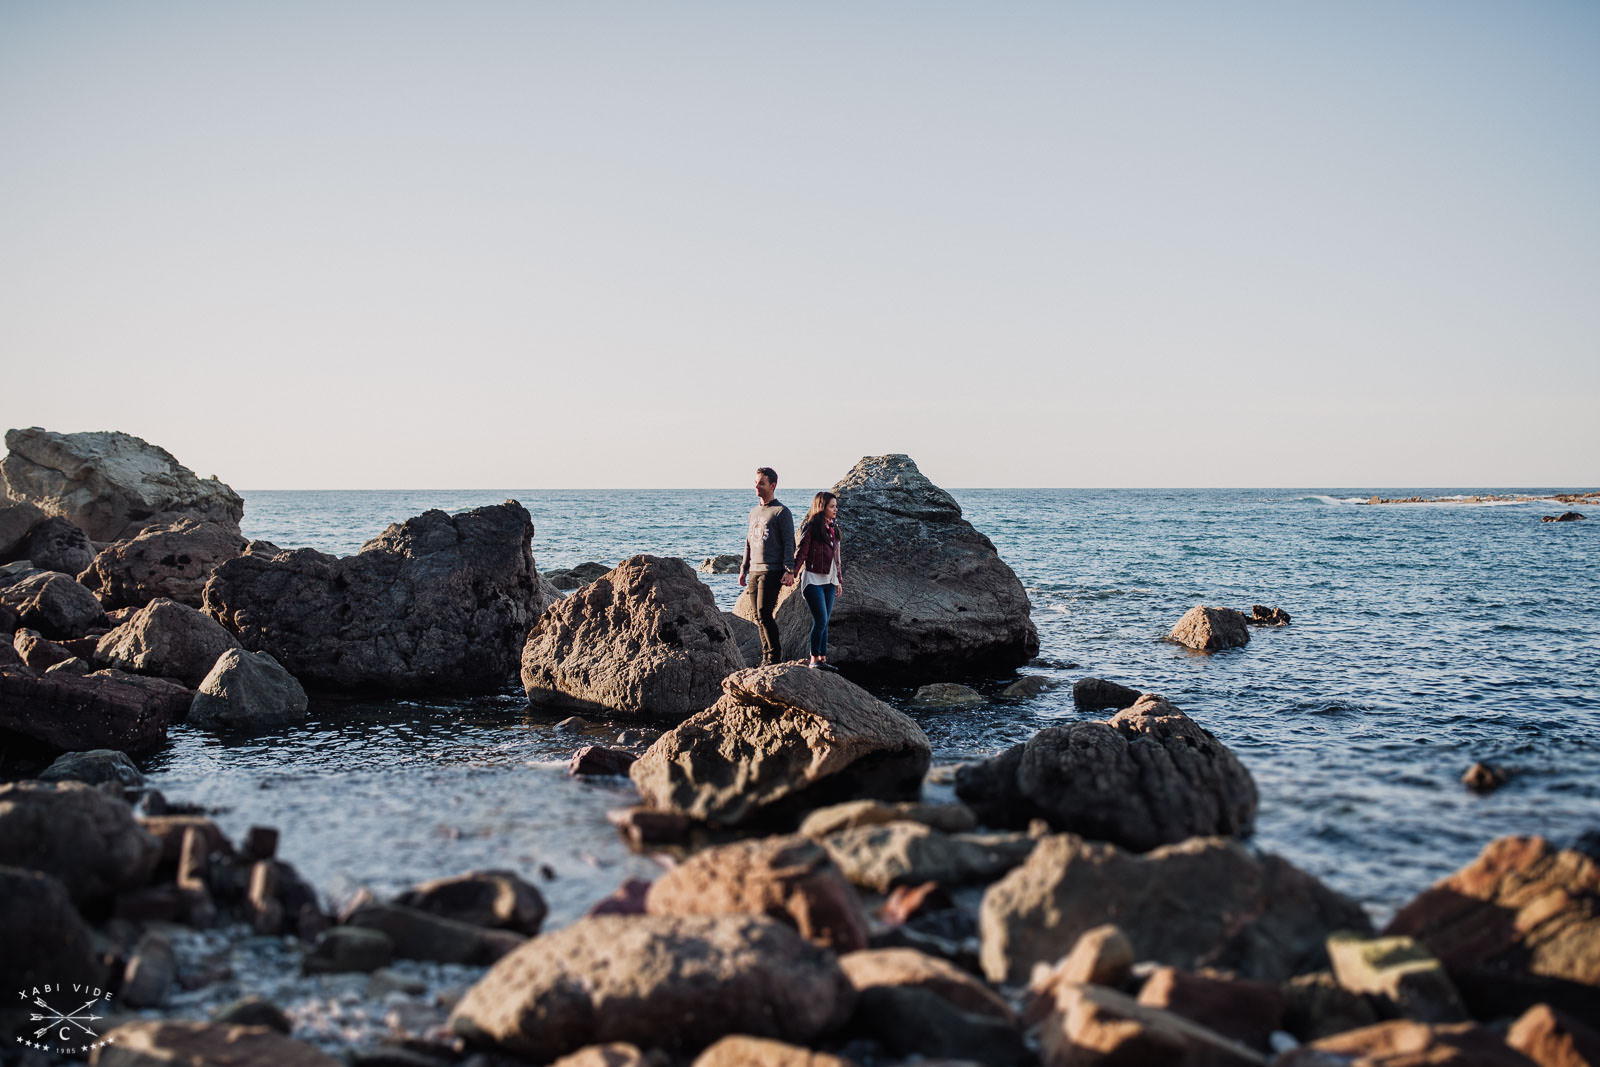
882,856
1317,1006
615,1054
1483,778
739,1050
166,639
1236,1008
1401,977
54,604
909,968
45,939
173,561
1403,1043
57,545
1102,956
73,713
951,818
907,902
1261,615
916,1021
1097,694
417,935
790,879
76,833
1094,1025
643,827
175,1044
1554,1039
495,899
627,899
1211,629
37,652
600,759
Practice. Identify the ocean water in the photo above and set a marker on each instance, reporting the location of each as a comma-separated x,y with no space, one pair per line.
1425,637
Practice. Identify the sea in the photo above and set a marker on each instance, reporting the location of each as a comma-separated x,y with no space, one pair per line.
1425,637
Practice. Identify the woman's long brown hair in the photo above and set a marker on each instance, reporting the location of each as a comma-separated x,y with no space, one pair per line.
819,505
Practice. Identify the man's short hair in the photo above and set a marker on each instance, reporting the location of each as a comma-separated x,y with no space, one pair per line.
771,475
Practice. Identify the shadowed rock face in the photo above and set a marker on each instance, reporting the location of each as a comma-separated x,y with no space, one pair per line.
76,833
111,484
172,561
926,596
436,603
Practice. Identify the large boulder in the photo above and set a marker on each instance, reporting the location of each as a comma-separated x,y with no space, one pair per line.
45,940
111,484
78,834
69,712
1150,776
172,561
783,741
1211,629
54,604
166,639
496,899
438,602
925,594
17,520
247,691
57,545
644,639
1205,902
677,983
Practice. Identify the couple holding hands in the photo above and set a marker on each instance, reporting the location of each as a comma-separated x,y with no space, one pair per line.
772,560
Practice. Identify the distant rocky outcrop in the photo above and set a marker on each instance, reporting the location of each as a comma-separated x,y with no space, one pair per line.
643,639
1211,629
1565,516
925,594
110,484
436,603
172,561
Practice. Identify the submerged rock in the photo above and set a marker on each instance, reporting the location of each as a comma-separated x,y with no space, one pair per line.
173,561
1097,694
1211,629
947,695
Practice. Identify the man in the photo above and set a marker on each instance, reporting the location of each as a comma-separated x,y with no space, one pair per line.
768,559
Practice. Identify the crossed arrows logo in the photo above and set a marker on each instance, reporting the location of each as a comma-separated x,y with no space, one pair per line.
76,1017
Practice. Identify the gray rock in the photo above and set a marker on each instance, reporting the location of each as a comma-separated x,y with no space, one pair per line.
54,604
17,520
93,767
57,545
783,741
166,639
172,561
348,948
436,603
1097,694
673,982
643,639
747,636
247,691
76,833
111,484
1028,687
723,564
925,594
906,853
1211,629
418,935
947,695
498,900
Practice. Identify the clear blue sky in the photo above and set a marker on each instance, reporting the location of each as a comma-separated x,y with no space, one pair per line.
327,245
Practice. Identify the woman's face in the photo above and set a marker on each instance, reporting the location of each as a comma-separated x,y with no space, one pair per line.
832,511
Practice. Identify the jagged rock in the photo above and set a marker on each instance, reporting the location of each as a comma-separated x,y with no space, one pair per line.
1150,776
723,564
677,982
111,484
880,857
172,561
153,1043
947,695
45,940
783,741
1403,1043
1398,974
748,637
1101,956
951,818
76,713
438,602
54,604
572,578
76,833
419,935
166,639
247,691
917,1021
908,968
1261,615
790,879
643,639
1211,629
1258,916
1094,1025
57,545
1097,694
17,520
924,592
93,767
496,899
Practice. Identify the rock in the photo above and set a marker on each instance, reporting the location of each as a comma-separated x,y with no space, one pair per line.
1151,776
1261,615
76,833
989,787
627,899
951,818
598,759
1316,1006
438,602
73,666
614,1054
782,741
348,948
1403,1043
37,651
58,545
1555,1039
576,577
1094,1025
908,968
882,856
1102,956
53,604
166,639
573,724
1565,516
739,1050
911,902
1484,778
418,935
253,1010
170,697
926,593
1097,694
73,713
643,827
789,879
947,695
247,691
93,767
675,982
152,1043
1211,629
747,636
495,899
111,484
723,564
643,639
1203,902
1237,1008
173,561
1518,925
1027,688
17,520
1399,974
151,972
916,1021
170,832
45,939
260,843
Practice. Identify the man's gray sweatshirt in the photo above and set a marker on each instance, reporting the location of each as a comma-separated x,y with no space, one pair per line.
769,541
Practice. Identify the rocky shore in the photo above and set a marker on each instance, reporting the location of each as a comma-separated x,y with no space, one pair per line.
1089,897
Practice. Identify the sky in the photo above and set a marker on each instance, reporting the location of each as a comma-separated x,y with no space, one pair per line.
333,245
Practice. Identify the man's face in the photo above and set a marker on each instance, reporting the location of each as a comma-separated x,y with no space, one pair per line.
763,487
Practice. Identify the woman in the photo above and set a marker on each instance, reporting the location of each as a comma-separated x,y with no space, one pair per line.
819,571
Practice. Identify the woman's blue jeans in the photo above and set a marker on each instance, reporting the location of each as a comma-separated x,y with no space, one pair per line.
819,598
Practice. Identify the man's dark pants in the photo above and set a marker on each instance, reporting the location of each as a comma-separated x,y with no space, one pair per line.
764,589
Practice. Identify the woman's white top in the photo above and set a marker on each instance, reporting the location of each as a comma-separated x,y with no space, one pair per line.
813,578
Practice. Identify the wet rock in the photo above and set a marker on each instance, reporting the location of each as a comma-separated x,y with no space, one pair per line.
1403,1043
723,564
1316,1006
1484,778
495,899
1097,694
436,603
151,972
789,879
600,760
916,1021
247,691
947,695
951,818
93,767
1554,1039
168,640
1211,629
576,577
1237,1008
54,604
1203,902
1565,516
675,982
418,935
38,652
1094,1025
153,1043
644,639
173,561
111,484
253,1010
1150,776
17,520
1027,688
882,856
1261,615
1404,980
58,545
74,713
927,594
910,969
349,948
45,939
783,741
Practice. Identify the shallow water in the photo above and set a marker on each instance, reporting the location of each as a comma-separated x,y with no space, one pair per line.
1425,637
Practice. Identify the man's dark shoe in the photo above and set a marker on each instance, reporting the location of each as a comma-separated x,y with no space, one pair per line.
829,667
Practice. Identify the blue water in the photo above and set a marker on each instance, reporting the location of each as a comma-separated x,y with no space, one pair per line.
1425,637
